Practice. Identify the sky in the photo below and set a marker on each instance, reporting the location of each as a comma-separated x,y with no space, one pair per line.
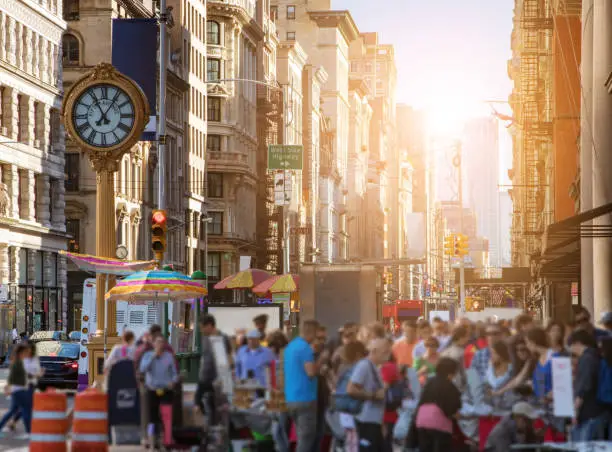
450,54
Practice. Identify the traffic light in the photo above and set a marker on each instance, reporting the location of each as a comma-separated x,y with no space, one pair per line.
462,247
390,278
159,228
449,245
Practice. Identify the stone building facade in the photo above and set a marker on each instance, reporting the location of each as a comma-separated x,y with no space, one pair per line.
32,225
86,42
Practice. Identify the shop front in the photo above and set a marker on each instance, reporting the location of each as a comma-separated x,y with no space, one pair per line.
34,308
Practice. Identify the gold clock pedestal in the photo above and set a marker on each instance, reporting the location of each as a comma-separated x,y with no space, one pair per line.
104,113
106,242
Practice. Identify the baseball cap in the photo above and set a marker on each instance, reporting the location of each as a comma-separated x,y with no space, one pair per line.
606,318
253,334
524,409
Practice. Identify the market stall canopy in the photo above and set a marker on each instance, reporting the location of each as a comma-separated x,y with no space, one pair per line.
246,279
287,283
107,265
156,285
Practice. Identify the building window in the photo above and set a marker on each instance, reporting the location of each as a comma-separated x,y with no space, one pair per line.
291,12
214,109
70,50
71,170
354,66
213,143
213,35
73,228
214,266
215,185
273,13
215,227
291,36
213,69
71,10
367,67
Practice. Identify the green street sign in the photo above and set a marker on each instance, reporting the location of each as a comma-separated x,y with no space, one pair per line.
285,157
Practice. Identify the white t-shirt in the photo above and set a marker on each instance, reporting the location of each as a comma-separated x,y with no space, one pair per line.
32,368
119,353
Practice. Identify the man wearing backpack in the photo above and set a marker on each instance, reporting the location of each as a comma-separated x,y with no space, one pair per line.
589,410
367,384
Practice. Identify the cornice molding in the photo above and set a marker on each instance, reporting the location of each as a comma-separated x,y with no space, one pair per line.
337,19
36,20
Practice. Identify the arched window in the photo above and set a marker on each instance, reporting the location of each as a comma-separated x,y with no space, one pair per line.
212,31
70,50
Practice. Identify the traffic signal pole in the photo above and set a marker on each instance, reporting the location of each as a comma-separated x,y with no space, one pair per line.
461,257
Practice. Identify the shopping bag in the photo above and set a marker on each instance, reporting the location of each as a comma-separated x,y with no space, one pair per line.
165,411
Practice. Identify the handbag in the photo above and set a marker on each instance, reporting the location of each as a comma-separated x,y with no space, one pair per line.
341,400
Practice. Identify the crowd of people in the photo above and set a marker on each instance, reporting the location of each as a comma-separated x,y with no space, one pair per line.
351,390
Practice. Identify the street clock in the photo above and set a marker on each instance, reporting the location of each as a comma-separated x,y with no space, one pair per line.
105,111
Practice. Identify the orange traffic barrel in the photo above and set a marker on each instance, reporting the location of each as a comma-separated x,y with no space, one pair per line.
90,422
49,424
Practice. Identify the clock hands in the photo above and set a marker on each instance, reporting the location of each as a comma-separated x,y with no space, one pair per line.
104,113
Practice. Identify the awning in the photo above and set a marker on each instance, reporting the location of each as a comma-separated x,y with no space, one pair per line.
560,258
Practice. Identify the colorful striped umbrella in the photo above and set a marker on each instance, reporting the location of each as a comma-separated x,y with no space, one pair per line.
156,285
246,279
107,265
278,284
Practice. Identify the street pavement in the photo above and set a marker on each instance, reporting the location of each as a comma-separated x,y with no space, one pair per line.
13,441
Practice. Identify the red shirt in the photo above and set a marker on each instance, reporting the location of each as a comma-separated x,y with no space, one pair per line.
390,374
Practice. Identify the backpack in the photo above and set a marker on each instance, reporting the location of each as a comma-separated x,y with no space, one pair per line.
604,387
341,401
395,394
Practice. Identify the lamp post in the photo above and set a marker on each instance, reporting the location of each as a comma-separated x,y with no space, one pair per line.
202,278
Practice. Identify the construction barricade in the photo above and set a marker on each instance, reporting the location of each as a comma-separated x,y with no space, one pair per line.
90,422
49,423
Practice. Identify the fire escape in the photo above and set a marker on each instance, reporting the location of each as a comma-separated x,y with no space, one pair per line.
269,218
535,118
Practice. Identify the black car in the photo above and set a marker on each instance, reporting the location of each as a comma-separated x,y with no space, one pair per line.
60,361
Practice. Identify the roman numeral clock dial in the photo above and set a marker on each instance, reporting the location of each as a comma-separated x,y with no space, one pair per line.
104,116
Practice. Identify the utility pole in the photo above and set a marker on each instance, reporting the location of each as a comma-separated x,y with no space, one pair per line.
161,135
458,165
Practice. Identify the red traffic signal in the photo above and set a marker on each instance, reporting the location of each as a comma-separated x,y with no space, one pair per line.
159,228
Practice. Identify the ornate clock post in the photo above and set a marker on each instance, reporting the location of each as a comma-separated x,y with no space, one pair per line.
104,113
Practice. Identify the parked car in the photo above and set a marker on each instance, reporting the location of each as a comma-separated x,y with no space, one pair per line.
60,361
40,336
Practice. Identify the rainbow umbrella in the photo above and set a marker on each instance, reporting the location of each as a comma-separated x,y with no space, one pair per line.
278,284
156,285
107,265
246,279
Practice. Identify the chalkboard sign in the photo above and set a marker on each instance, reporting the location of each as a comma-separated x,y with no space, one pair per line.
123,395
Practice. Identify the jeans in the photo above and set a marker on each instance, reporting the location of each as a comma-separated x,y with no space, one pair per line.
21,401
589,430
304,416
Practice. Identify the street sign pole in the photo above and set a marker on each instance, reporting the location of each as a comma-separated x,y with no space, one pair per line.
461,257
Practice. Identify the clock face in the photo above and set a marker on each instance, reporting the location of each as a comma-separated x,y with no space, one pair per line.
103,116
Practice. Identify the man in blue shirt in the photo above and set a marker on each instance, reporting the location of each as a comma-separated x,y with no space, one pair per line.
300,377
253,360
